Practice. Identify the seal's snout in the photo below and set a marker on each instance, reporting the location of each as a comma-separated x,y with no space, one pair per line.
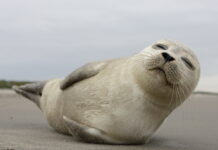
167,57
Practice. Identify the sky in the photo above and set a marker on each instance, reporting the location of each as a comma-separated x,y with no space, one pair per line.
43,39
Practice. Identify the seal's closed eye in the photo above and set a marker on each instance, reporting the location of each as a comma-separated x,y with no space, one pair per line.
160,46
188,63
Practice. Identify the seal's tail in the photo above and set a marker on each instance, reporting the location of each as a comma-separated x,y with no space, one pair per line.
32,91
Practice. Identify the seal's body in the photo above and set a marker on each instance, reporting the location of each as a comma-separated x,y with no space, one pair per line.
120,101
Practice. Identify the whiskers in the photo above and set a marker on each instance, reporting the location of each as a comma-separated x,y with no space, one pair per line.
179,84
180,91
146,57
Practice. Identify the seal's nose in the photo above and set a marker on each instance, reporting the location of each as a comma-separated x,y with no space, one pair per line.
167,57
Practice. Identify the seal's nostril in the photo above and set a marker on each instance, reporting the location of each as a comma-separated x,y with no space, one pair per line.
167,57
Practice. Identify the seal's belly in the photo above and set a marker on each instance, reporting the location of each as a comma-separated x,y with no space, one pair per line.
117,107
93,98
87,100
136,121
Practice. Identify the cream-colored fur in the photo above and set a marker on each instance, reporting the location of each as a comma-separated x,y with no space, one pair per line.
128,99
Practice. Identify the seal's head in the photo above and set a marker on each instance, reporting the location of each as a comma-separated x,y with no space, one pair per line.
171,72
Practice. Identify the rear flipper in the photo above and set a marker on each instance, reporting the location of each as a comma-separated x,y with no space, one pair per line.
32,91
88,134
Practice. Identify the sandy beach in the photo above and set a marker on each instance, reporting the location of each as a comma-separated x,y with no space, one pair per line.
193,126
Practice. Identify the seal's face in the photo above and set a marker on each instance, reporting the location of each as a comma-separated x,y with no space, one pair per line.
172,70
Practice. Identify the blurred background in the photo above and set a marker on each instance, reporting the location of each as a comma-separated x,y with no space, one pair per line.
43,39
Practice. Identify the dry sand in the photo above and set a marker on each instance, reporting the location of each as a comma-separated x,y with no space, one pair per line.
193,126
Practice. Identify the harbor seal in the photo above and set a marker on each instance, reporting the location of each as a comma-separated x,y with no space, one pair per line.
118,101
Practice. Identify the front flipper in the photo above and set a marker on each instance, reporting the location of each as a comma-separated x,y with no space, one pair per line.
82,73
88,134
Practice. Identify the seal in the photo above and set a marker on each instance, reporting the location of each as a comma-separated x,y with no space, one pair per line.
118,101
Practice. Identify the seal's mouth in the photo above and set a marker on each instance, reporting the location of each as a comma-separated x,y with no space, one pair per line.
162,71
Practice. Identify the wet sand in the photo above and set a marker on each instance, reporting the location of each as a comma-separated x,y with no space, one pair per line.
193,126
